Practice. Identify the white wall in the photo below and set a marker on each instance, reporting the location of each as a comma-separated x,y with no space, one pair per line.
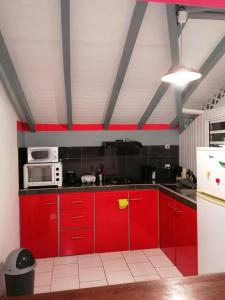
197,135
9,204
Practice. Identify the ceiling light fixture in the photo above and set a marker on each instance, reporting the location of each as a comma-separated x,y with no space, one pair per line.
180,74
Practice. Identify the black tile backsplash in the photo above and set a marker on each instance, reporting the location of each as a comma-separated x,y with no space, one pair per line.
123,162
131,163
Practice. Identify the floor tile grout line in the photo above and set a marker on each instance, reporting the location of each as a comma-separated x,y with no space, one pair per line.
152,265
52,274
104,271
147,257
128,267
78,266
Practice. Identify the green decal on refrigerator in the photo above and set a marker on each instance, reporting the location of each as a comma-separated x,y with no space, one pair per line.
222,163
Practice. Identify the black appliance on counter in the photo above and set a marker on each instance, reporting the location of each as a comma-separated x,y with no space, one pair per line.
70,177
119,180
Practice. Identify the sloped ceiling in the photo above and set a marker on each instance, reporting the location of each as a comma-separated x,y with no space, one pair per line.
32,33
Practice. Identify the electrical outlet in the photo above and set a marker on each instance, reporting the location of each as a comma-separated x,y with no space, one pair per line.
167,166
167,146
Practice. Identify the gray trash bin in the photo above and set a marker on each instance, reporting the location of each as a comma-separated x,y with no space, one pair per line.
19,272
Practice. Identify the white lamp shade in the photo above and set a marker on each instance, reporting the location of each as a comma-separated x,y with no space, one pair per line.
180,75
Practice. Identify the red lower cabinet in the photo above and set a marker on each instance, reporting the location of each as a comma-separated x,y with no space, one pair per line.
186,239
111,222
178,234
39,224
76,241
143,209
166,220
76,223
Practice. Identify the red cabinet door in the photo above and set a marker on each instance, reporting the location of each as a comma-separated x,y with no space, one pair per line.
39,224
166,225
186,239
111,222
143,209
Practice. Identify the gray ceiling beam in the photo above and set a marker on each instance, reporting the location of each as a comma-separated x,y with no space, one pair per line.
13,86
10,94
160,92
173,33
207,16
163,87
205,69
207,66
65,24
174,50
136,21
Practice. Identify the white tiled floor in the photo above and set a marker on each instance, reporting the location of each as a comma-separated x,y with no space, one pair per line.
91,270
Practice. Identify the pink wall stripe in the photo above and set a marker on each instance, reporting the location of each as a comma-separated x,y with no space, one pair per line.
91,127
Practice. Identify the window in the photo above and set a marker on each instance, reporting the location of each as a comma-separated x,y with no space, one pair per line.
216,133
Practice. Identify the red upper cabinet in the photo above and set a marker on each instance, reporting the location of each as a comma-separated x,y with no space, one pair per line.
111,222
143,207
166,225
186,239
39,224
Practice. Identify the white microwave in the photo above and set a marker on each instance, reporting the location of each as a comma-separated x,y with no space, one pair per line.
49,174
36,155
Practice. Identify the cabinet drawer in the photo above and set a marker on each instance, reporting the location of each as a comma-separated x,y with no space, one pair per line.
77,200
76,241
45,199
76,218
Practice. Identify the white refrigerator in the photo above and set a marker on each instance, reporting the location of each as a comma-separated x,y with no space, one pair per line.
211,210
211,171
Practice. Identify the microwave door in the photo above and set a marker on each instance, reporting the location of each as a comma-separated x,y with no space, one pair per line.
38,174
40,154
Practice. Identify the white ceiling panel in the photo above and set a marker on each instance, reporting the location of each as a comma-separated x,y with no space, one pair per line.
98,34
166,110
149,61
200,37
212,83
32,34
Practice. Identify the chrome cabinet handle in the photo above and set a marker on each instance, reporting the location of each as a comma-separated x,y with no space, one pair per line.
77,237
78,201
77,217
48,203
177,210
135,199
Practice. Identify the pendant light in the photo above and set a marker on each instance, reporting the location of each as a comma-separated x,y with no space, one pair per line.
180,74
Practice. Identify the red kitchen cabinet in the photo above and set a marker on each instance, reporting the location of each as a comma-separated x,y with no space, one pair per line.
39,224
111,222
166,221
76,223
143,210
186,239
178,234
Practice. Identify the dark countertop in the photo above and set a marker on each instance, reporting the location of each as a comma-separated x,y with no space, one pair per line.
186,198
205,287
